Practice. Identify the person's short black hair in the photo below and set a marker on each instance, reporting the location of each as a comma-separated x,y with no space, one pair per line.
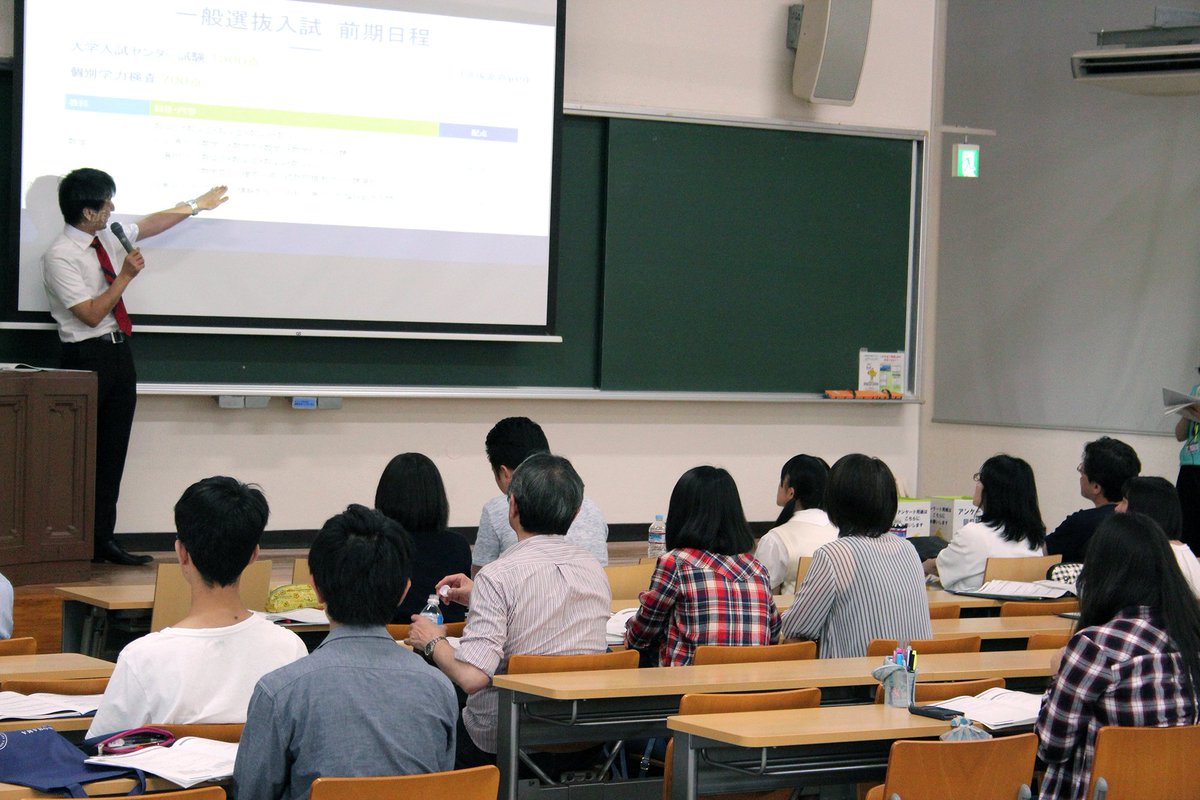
860,496
360,563
805,475
1010,499
1157,499
84,188
512,440
705,513
548,492
1110,462
411,492
220,521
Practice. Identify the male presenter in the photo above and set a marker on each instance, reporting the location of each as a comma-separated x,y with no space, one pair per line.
94,327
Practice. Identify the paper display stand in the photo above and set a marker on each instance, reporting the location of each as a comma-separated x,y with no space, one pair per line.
912,517
880,372
948,514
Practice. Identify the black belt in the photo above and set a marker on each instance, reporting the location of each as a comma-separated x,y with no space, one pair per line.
112,337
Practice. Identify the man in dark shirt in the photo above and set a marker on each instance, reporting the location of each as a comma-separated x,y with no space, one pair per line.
1107,463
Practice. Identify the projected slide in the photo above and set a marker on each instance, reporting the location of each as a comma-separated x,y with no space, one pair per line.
384,166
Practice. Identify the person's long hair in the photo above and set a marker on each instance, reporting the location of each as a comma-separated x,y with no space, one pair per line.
805,475
1010,500
705,513
1130,563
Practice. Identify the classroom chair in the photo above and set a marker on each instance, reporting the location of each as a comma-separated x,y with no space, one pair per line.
1136,763
648,560
981,769
802,568
21,646
877,648
56,685
528,664
300,573
750,701
221,731
945,611
477,783
399,631
173,598
205,793
797,650
1028,569
937,691
1047,641
627,581
1037,608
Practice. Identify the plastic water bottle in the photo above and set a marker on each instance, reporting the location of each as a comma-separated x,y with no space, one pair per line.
432,611
656,541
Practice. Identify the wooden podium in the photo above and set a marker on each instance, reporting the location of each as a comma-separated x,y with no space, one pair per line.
47,475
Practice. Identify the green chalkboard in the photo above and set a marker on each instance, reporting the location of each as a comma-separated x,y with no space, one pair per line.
690,258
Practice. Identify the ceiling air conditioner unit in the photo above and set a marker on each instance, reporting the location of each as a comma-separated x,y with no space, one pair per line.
1160,70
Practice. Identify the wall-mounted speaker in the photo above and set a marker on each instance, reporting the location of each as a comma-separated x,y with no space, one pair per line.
830,50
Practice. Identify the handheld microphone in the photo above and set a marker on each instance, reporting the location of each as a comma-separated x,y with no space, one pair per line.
119,232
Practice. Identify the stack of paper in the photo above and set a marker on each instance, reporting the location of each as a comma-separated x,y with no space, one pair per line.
191,760
43,705
298,616
614,631
998,709
1021,590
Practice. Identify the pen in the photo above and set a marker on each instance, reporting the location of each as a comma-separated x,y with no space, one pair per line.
912,661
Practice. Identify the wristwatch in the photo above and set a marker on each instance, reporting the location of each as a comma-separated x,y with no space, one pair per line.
193,205
432,643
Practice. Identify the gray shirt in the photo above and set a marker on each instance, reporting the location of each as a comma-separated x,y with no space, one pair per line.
360,705
588,530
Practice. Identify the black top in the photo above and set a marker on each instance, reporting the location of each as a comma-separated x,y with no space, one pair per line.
435,555
1072,536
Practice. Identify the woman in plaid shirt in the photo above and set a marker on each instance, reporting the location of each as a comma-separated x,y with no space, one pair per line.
1135,659
707,588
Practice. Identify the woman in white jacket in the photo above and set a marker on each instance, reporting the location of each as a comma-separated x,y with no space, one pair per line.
1010,525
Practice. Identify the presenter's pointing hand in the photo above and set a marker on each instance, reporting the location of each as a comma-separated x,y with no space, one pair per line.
212,198
134,263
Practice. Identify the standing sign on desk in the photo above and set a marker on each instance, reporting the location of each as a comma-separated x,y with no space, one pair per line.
881,372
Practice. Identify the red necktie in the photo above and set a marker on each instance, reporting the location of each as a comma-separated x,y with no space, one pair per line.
106,265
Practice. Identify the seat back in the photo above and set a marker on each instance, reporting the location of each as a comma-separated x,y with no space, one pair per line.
477,783
945,611
1124,756
629,580
204,793
399,631
524,664
56,685
1037,608
982,769
937,691
799,650
222,732
300,573
21,646
173,597
1047,641
1028,568
950,644
802,568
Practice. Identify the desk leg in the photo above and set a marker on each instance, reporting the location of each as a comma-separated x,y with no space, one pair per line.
508,739
683,768
74,620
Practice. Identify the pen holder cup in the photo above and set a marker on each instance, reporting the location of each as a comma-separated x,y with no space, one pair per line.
899,688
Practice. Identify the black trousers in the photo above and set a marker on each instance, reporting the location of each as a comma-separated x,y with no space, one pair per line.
1188,486
116,401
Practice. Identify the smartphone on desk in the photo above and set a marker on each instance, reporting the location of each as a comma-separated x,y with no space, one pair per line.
937,712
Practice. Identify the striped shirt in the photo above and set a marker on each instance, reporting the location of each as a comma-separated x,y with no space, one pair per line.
1126,672
699,597
543,596
860,588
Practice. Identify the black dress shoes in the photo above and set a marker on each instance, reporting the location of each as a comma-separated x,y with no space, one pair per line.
111,551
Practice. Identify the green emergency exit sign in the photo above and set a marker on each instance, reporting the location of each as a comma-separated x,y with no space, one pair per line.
966,160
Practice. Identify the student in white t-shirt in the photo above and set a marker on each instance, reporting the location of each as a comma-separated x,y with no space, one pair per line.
1157,499
203,668
803,525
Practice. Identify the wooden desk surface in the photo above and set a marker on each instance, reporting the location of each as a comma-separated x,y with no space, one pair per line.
113,598
1001,627
784,601
59,724
823,725
112,786
54,665
818,673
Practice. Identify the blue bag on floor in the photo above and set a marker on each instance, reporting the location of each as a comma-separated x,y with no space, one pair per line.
42,759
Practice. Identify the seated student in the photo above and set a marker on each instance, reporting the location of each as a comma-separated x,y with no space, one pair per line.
509,442
1134,659
707,588
6,608
411,492
1107,463
866,584
543,596
204,667
1010,526
803,525
1158,500
359,705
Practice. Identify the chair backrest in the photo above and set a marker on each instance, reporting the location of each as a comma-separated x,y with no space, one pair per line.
222,732
1047,641
621,659
399,631
205,793
1128,759
173,597
648,560
300,573
1037,608
937,691
1028,568
945,611
477,783
951,644
629,580
802,568
982,769
21,646
744,654
56,685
